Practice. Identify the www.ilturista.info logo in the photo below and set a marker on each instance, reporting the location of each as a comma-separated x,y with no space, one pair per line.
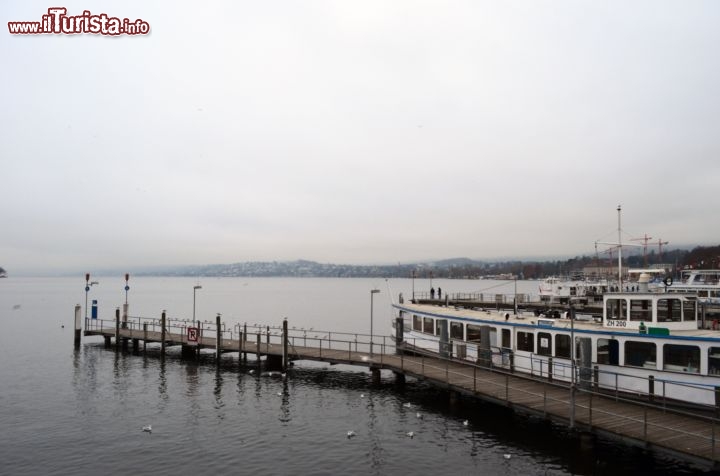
58,22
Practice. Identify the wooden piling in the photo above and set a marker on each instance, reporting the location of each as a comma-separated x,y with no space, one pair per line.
162,334
117,328
375,372
218,339
257,349
144,336
78,326
285,345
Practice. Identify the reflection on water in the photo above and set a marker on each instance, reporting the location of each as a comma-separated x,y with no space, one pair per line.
84,414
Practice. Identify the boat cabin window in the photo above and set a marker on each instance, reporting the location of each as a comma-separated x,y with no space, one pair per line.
417,323
506,338
640,354
714,361
493,336
641,310
616,309
681,358
473,333
562,346
428,327
689,310
544,343
456,330
525,341
669,310
608,351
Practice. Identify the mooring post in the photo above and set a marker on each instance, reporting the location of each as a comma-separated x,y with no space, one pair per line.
162,334
78,326
285,345
257,348
117,328
144,336
218,339
245,337
267,340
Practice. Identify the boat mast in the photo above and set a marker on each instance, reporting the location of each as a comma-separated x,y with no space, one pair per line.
619,250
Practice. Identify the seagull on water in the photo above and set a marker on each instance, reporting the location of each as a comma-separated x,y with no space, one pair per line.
419,415
362,395
350,434
407,405
147,428
507,456
466,423
411,434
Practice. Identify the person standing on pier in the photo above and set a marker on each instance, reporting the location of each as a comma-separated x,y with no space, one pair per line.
432,293
439,292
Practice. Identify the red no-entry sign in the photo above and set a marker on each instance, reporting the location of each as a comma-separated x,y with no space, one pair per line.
192,335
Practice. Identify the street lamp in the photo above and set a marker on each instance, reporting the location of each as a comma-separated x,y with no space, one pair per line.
372,292
195,288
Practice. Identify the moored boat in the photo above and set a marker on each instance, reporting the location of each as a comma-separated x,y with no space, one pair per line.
646,344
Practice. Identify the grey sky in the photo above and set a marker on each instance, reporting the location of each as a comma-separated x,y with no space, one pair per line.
357,131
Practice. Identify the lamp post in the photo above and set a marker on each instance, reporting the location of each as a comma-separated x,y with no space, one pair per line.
195,288
372,292
572,365
87,289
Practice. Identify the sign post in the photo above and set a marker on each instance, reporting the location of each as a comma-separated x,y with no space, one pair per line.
192,335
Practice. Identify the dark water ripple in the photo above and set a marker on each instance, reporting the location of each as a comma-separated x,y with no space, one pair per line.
82,413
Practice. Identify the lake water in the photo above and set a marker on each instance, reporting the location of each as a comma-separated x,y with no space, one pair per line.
67,411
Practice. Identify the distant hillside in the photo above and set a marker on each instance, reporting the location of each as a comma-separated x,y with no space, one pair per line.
448,268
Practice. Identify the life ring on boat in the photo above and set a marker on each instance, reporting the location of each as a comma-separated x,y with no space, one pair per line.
668,281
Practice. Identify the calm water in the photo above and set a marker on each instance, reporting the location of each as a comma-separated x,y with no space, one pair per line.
82,412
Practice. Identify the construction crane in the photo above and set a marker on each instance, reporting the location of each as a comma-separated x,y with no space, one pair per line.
645,240
660,244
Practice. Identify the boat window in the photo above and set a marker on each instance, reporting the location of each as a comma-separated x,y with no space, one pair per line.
525,341
615,309
456,330
544,343
493,336
681,358
640,310
689,310
417,323
714,361
640,354
473,333
428,325
562,346
506,338
608,351
668,310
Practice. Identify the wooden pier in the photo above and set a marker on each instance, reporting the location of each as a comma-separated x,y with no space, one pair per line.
686,435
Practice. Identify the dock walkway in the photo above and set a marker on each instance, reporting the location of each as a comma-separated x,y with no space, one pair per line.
684,434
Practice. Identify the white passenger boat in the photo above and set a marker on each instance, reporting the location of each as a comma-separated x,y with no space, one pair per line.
704,282
647,344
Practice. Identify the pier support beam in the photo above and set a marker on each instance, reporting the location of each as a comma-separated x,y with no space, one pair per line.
162,334
218,339
285,345
399,378
117,328
375,375
257,349
136,346
144,337
107,341
78,326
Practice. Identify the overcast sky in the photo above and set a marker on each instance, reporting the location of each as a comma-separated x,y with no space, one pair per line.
357,131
